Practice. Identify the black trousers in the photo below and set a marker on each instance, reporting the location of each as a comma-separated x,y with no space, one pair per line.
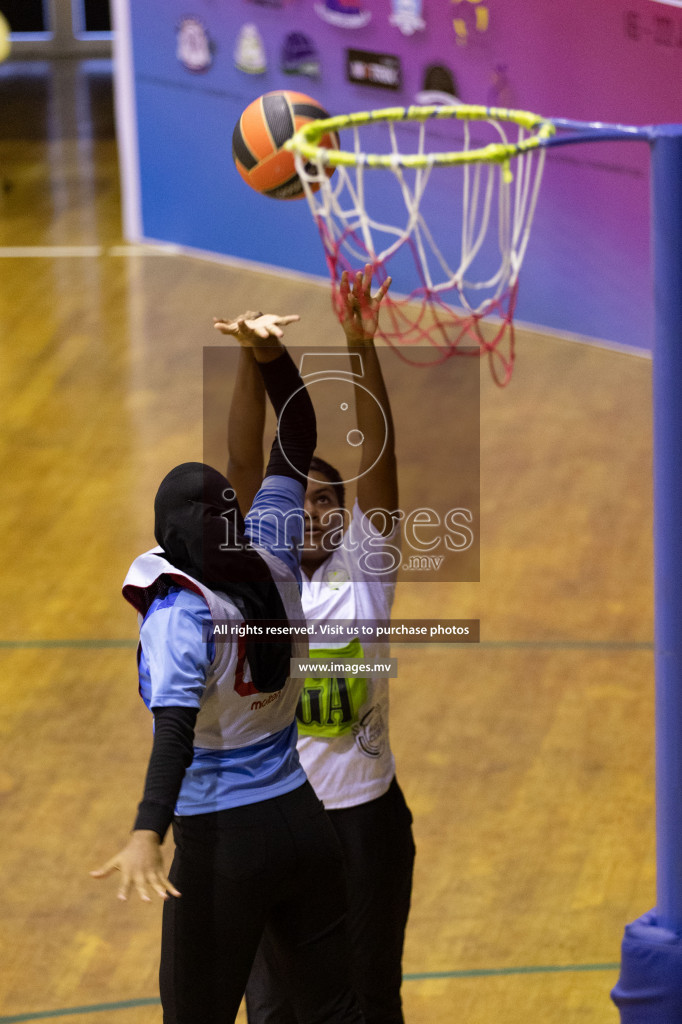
378,849
276,863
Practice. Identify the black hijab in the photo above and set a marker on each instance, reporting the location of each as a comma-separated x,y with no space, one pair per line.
198,524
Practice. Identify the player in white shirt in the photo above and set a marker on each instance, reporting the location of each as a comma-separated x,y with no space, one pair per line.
343,722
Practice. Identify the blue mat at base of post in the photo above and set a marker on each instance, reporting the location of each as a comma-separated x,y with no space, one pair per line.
649,989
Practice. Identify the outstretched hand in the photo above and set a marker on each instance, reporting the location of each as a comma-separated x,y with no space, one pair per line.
250,328
141,867
358,309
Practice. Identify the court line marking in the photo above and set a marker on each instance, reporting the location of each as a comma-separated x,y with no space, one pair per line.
129,1004
152,247
426,976
64,644
141,249
492,972
58,251
569,645
51,251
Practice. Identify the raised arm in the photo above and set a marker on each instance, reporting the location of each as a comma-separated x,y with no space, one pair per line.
246,419
295,441
245,425
378,485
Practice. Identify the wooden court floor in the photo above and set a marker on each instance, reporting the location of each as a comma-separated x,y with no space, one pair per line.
527,759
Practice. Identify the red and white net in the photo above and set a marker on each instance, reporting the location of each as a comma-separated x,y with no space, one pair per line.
452,268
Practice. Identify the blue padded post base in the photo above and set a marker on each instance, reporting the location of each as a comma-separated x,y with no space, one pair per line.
649,989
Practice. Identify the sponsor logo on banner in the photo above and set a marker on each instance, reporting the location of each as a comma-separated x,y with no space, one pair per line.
470,20
439,87
299,56
249,51
344,13
407,16
194,46
378,69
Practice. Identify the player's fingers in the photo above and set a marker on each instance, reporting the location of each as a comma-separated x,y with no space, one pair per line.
383,289
164,887
156,883
292,318
140,884
106,869
367,278
363,285
249,329
227,327
124,887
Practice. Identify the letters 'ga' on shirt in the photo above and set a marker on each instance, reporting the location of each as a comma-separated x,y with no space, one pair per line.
344,741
